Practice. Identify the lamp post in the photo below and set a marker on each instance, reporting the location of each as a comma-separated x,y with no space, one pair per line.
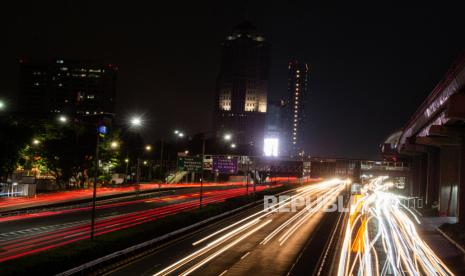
162,174
147,148
202,170
226,137
136,122
126,171
100,130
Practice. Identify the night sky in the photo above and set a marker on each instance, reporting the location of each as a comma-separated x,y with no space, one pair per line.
370,66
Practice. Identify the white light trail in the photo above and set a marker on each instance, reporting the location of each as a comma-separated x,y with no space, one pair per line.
233,234
396,244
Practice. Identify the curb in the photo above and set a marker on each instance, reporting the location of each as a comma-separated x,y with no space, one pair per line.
459,247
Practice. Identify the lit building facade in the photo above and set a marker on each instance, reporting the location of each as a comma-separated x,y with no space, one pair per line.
64,86
297,97
242,85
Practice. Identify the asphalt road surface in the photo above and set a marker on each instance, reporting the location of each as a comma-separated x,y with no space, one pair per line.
253,242
30,233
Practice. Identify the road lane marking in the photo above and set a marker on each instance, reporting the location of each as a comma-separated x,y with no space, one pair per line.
245,255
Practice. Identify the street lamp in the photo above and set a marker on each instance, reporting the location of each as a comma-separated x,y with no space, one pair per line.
62,119
126,160
114,144
227,137
136,121
233,145
148,147
2,105
35,142
101,130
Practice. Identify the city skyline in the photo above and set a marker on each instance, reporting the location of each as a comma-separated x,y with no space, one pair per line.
232,138
150,68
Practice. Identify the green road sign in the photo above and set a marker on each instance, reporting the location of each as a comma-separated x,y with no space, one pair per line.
190,164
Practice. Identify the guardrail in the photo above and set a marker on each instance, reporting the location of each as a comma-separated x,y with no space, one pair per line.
329,260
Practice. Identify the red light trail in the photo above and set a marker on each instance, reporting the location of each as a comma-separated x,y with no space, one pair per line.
19,247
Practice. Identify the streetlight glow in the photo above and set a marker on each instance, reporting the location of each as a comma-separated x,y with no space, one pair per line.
136,121
181,134
114,144
62,119
227,136
148,148
233,146
126,160
35,142
2,105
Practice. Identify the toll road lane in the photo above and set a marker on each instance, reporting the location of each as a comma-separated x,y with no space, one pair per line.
265,241
14,203
28,242
381,238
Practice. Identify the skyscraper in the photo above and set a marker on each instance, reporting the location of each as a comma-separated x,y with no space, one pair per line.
242,85
67,86
297,96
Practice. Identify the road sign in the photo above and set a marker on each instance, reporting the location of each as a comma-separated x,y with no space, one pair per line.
102,129
190,163
226,165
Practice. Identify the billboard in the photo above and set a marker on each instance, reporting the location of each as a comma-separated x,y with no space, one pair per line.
225,165
271,146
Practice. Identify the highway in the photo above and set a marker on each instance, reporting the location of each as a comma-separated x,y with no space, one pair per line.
380,237
265,241
64,197
26,234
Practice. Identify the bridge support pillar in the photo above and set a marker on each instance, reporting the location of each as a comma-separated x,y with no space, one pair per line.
461,189
432,176
449,180
418,175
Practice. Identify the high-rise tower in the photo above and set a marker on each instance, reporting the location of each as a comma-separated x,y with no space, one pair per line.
242,85
297,96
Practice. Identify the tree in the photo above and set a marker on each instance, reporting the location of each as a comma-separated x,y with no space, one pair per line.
13,138
66,151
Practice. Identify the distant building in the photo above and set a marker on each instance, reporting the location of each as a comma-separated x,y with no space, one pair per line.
297,97
242,85
67,86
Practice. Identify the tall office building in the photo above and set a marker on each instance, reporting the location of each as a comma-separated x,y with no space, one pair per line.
297,96
67,86
242,85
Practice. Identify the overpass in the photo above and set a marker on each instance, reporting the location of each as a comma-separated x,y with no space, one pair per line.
356,169
433,141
